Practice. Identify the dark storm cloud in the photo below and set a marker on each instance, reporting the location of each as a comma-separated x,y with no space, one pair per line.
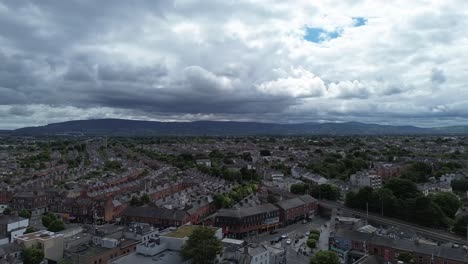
240,60
120,73
438,76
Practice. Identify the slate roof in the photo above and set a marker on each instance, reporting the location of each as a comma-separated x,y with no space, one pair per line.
290,203
307,198
153,212
247,211
28,194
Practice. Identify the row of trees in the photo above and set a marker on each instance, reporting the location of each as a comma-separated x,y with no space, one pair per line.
313,238
401,199
36,161
324,191
23,213
227,200
335,166
420,172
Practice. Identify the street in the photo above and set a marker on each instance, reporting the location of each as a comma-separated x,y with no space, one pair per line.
295,231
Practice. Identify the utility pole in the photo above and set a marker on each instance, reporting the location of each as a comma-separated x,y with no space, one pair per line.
382,206
367,213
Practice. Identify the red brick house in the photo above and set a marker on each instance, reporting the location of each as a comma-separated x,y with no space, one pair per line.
294,209
239,222
160,217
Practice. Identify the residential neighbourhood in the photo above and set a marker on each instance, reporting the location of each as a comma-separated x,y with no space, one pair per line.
111,200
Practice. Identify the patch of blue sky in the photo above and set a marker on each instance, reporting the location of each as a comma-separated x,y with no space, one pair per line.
318,35
359,21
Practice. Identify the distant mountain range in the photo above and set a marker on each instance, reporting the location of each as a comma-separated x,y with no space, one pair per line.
124,127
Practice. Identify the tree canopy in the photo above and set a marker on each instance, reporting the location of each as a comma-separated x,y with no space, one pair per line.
460,185
56,226
32,256
52,223
324,191
25,213
325,257
401,199
459,226
7,211
448,202
202,246
406,257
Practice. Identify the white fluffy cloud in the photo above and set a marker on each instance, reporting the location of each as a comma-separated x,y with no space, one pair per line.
404,63
299,83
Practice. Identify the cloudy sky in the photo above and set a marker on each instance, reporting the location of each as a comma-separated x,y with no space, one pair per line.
374,61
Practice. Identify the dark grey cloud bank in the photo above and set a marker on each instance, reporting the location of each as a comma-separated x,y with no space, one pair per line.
225,60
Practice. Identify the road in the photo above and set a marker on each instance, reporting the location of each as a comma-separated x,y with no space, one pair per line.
438,235
293,231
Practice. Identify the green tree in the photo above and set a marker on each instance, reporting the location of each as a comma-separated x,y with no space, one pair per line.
406,257
425,212
418,172
448,202
202,246
325,191
315,231
350,200
272,199
402,188
7,211
314,236
32,256
135,201
311,243
25,213
298,188
29,229
388,201
145,198
325,257
56,225
460,185
47,219
459,226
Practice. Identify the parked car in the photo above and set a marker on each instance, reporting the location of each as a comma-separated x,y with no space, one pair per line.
304,221
284,236
288,241
274,231
307,233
